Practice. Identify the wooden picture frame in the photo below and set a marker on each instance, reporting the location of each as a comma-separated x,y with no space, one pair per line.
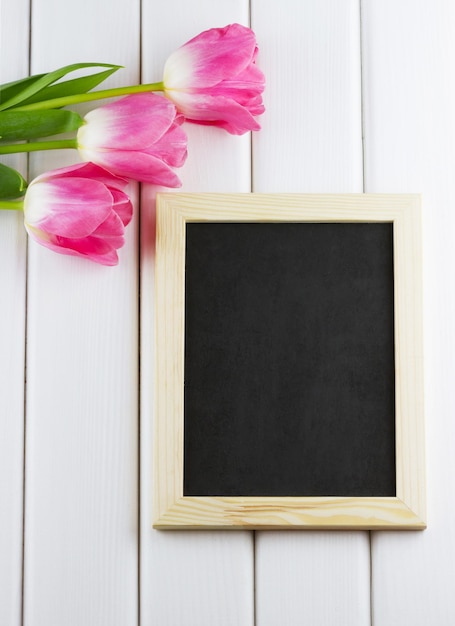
174,510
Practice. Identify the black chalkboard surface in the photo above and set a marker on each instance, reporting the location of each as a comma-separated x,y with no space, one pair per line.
289,372
289,360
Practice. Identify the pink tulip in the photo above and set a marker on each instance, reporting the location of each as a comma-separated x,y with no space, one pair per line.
137,137
79,210
213,79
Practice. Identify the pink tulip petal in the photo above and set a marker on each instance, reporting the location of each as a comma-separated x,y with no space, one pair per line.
122,206
250,76
109,259
85,170
245,86
103,255
147,164
140,166
217,111
209,57
112,232
58,248
248,99
71,207
88,246
171,148
131,123
111,227
115,242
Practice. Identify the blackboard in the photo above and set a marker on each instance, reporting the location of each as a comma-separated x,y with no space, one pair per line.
289,377
289,360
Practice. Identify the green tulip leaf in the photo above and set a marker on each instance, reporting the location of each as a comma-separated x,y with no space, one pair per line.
10,90
71,87
23,125
12,184
15,94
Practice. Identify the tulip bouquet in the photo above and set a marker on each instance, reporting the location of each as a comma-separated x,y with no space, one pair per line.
83,209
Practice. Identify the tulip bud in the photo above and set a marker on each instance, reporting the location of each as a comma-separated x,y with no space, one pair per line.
213,79
137,137
79,210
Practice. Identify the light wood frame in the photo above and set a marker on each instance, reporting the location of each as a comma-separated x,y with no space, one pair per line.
173,510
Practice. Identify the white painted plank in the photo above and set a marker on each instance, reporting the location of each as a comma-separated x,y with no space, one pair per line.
311,142
409,87
13,65
203,578
82,406
311,138
320,578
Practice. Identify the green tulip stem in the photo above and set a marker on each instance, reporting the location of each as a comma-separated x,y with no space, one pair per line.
38,145
12,205
88,97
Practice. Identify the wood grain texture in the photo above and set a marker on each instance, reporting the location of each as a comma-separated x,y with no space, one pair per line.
409,95
263,513
172,509
206,578
81,564
14,40
310,142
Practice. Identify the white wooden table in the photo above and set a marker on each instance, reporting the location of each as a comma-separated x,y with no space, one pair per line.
360,97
